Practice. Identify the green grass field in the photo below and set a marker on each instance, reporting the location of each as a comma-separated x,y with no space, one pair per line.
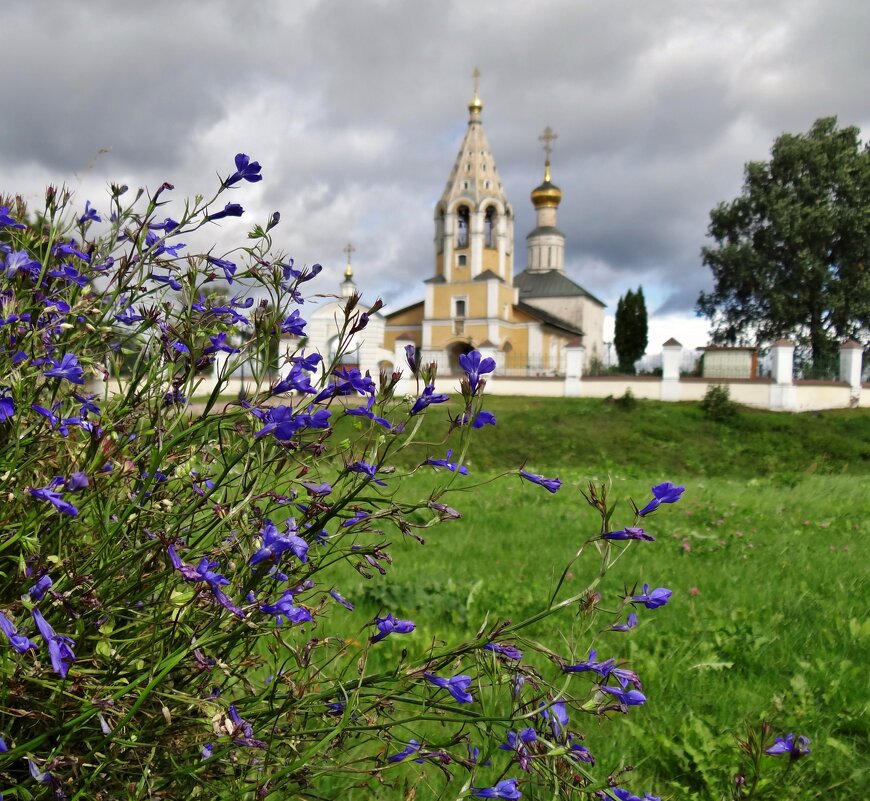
766,553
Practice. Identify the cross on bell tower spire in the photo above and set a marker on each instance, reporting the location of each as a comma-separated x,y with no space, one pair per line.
348,249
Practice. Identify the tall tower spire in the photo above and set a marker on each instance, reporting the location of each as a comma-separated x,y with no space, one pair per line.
348,287
546,244
473,218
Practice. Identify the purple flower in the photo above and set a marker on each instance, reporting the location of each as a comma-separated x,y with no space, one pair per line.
412,748
275,544
793,748
7,404
507,651
413,357
389,625
625,697
227,266
68,367
294,325
21,260
230,210
662,493
77,481
342,600
483,418
6,221
507,788
54,497
283,608
205,572
349,382
38,590
39,776
446,463
19,642
591,666
556,715
549,484
625,795
456,686
90,214
205,753
475,366
129,316
153,240
219,343
652,600
246,170
366,411
628,534
518,742
59,647
324,488
630,623
281,421
368,470
428,397
243,733
167,225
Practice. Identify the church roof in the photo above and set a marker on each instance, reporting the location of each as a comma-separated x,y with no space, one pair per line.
543,230
549,319
474,176
486,275
550,284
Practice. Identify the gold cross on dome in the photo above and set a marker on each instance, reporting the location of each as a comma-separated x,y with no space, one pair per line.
547,137
348,248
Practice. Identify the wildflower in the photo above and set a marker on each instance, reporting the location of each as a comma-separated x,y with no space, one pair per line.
456,686
284,608
19,642
77,481
412,748
795,748
68,367
55,498
324,488
246,170
591,666
428,397
483,418
652,600
38,590
275,543
20,260
557,716
343,601
579,752
283,424
230,210
59,647
451,466
243,733
205,572
294,325
167,225
227,266
6,221
662,493
366,411
39,776
630,623
549,484
153,240
7,404
368,470
129,316
90,214
625,697
219,343
625,795
629,533
389,625
507,651
507,789
206,752
474,367
413,357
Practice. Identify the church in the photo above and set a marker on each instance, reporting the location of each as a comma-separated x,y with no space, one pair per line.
474,300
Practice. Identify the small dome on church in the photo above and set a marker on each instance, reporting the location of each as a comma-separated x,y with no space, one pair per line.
547,194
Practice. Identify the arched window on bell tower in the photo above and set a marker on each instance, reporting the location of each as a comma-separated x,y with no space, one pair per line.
462,221
489,228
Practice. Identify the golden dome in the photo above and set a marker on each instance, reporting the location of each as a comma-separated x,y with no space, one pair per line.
547,194
476,104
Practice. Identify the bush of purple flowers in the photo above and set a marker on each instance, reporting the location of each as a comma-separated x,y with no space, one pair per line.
168,605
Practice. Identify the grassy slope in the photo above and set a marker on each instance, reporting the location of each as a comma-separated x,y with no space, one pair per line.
776,550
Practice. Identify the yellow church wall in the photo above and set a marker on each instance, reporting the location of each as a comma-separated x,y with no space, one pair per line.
490,259
412,315
473,292
439,263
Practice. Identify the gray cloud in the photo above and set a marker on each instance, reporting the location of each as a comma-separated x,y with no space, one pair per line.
356,111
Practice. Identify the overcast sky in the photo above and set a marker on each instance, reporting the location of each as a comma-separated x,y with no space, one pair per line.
356,110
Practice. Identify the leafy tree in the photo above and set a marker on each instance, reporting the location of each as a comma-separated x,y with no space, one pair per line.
631,331
791,253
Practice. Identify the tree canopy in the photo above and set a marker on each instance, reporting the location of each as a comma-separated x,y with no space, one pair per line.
791,252
631,330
